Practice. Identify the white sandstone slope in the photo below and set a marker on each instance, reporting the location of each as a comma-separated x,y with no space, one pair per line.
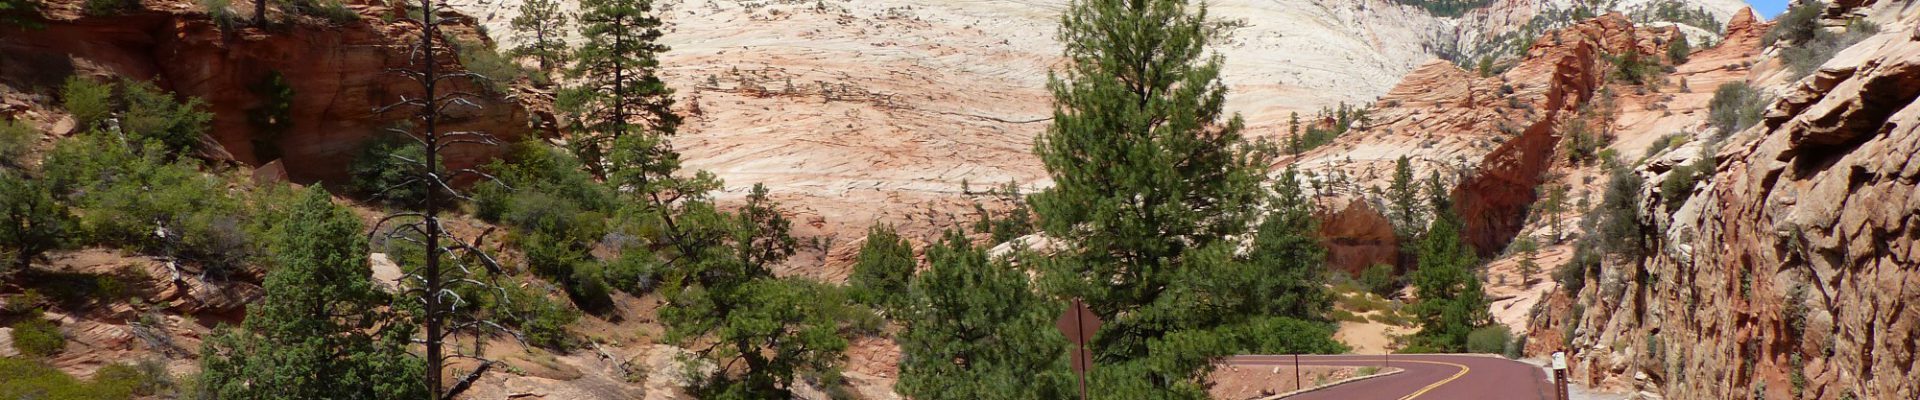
855,111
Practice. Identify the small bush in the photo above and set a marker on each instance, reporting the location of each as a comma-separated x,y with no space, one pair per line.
1678,50
153,115
882,269
388,170
1735,106
29,379
1581,144
1634,68
89,102
32,222
107,7
1678,185
543,321
1492,339
496,71
16,142
37,337
1811,44
145,378
331,10
635,271
1378,279
222,13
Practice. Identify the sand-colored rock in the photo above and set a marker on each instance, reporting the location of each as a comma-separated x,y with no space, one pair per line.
1819,199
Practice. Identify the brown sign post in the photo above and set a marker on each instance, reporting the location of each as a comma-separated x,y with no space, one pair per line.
1078,323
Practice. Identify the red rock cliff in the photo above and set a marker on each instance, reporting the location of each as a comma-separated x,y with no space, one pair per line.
339,75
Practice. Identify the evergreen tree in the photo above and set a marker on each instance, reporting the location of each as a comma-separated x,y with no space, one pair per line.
716,272
544,20
321,331
1451,303
1287,257
618,66
1152,178
882,269
1294,145
1403,200
977,330
32,221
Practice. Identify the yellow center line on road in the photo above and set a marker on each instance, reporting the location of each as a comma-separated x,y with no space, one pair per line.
1457,375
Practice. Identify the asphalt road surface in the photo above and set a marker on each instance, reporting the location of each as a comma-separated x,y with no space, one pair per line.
1426,377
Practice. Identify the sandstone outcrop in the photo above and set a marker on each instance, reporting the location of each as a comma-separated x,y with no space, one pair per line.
1790,271
339,75
1489,138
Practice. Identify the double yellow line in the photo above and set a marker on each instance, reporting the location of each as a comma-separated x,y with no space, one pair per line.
1424,390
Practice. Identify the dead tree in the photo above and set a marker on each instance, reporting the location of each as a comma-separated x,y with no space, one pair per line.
432,286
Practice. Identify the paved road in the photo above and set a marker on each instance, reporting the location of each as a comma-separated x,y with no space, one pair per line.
1427,377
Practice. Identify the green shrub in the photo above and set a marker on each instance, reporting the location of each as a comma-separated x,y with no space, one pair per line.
1735,106
1491,339
1678,50
882,269
1798,24
152,114
1811,44
89,102
144,378
1378,279
331,10
540,319
37,337
1678,185
1671,140
1573,274
107,7
273,117
32,221
1634,68
1616,221
20,13
635,271
222,13
1281,335
16,142
388,170
496,71
29,379
125,195
1581,144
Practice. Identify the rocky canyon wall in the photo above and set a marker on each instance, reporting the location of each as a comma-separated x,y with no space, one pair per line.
1793,270
339,74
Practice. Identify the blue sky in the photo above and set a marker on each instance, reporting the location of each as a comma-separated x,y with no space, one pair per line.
1769,8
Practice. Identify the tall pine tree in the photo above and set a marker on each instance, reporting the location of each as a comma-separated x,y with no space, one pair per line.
1451,303
618,70
1152,179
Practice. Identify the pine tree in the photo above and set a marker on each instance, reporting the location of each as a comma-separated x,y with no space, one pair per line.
1287,256
1451,303
882,269
321,323
1294,146
544,20
1151,179
716,272
1403,200
977,330
618,67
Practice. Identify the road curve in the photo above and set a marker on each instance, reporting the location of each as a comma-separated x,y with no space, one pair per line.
1426,377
